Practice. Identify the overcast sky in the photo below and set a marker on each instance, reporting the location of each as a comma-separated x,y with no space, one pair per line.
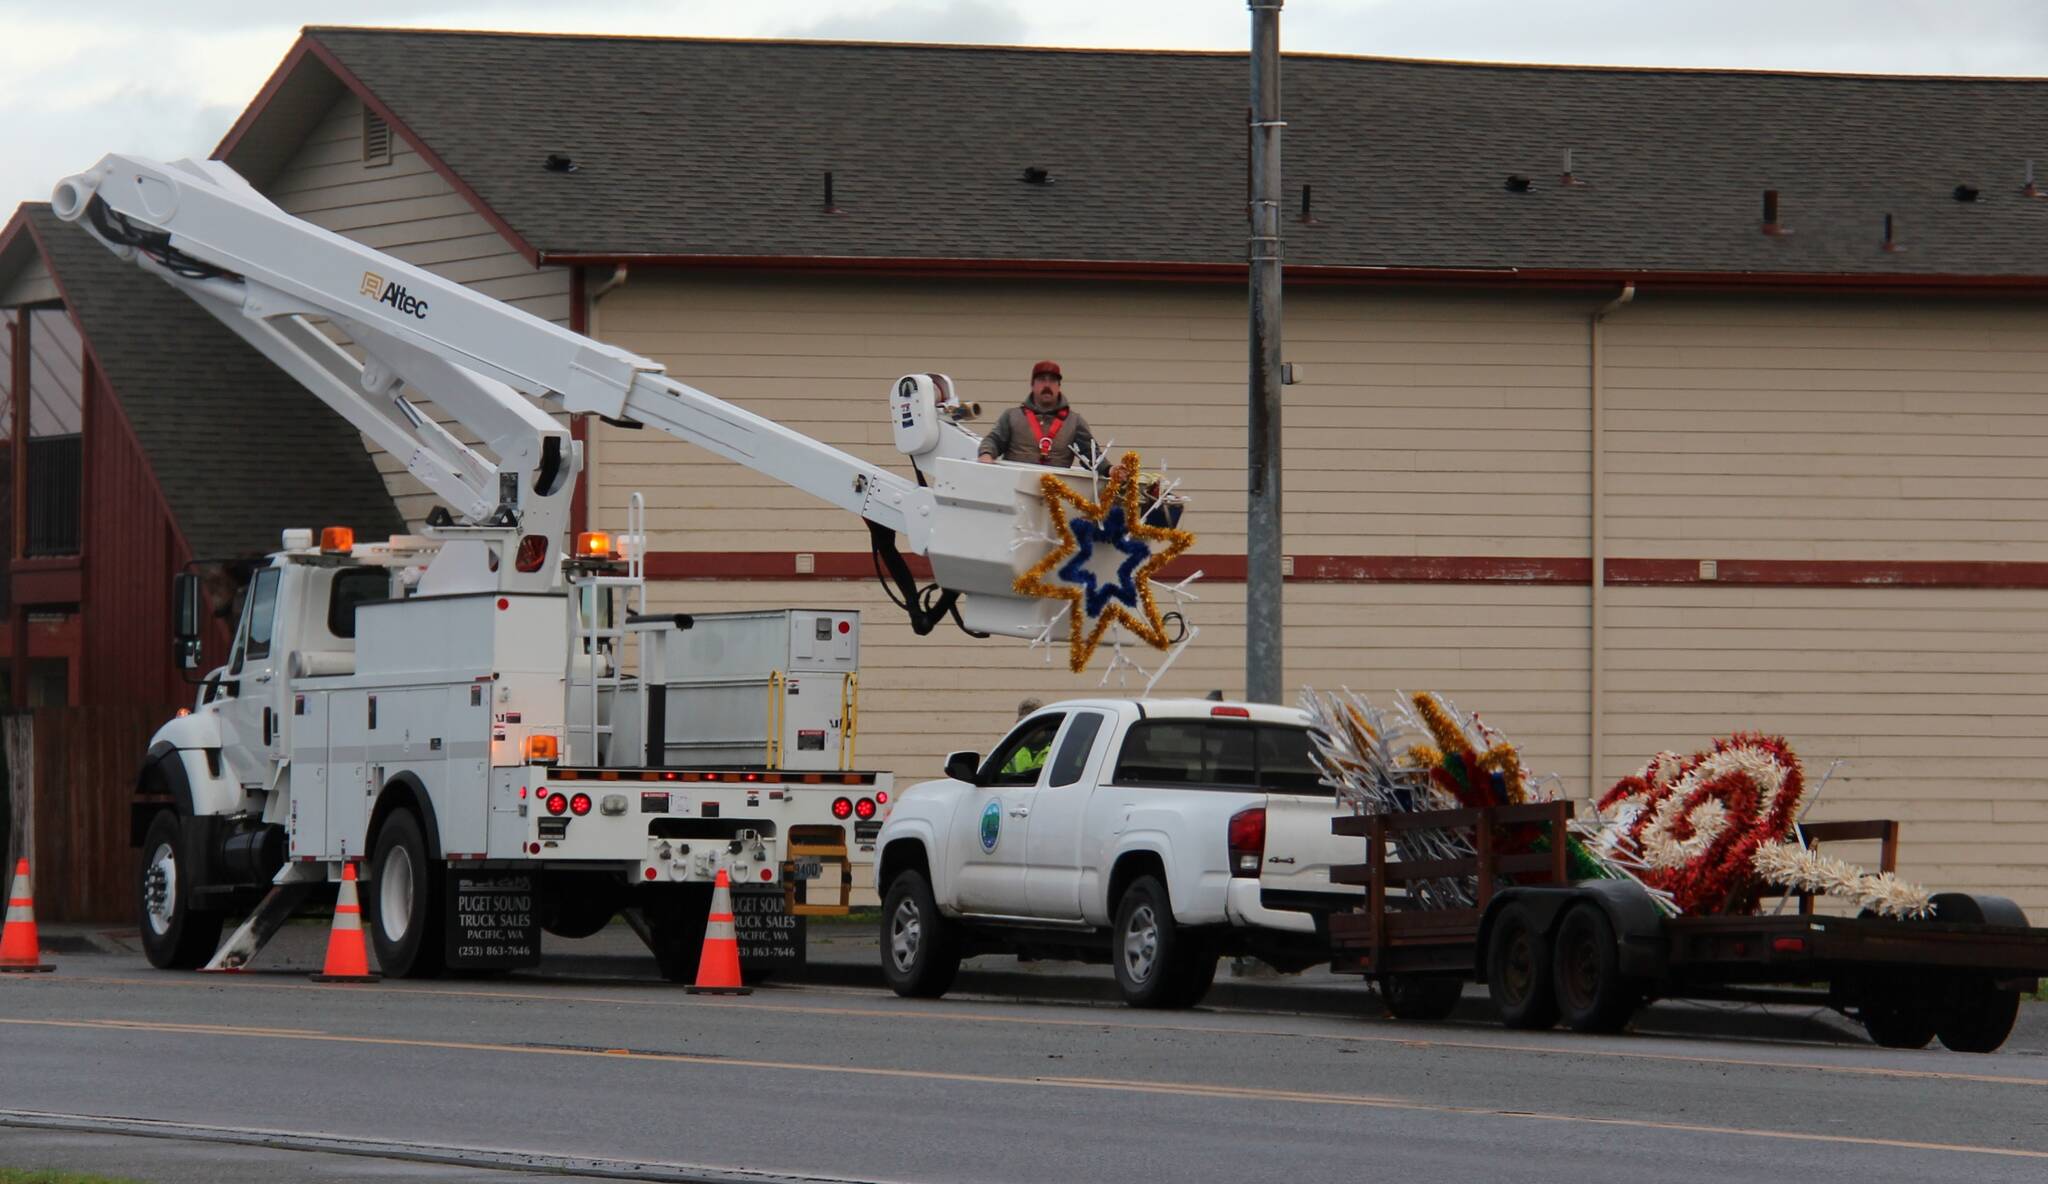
165,78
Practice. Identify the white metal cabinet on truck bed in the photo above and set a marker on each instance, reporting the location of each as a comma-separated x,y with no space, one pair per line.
1158,835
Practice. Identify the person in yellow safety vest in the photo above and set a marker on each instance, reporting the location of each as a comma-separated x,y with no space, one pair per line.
1027,759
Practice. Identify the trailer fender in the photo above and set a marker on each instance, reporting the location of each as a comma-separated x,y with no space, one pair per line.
1638,927
1969,909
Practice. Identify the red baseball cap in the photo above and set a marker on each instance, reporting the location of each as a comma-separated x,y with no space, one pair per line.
1052,368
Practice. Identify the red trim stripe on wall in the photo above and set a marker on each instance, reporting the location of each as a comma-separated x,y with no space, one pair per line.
1428,569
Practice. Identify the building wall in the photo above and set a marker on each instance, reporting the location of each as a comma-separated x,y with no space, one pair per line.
132,550
405,209
1852,432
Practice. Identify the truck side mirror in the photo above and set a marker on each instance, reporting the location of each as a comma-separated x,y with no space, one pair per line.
963,766
187,610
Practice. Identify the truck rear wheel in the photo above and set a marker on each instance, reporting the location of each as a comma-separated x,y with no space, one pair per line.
1159,964
175,935
405,898
676,920
920,952
1427,997
1981,1019
1592,994
1518,974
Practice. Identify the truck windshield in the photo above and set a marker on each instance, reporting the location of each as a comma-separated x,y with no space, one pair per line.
1219,754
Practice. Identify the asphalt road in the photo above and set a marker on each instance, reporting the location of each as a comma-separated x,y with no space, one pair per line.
616,1077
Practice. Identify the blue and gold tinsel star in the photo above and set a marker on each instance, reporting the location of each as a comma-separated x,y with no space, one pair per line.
1104,563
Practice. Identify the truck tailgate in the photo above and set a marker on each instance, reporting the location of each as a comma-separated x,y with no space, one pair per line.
1300,851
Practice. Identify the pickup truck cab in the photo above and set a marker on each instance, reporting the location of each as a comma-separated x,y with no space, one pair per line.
1156,835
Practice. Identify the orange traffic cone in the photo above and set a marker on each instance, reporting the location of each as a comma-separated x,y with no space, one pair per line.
347,959
20,949
718,967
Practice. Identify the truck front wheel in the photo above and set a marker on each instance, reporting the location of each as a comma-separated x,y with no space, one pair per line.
175,935
405,915
1159,964
920,953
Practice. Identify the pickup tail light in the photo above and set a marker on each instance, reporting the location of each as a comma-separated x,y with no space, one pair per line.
1247,841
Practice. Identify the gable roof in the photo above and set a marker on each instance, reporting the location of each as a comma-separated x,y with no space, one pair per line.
716,149
238,448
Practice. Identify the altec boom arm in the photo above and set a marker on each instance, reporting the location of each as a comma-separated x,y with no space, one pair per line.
263,273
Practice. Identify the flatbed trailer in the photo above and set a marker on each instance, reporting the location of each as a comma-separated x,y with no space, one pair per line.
1590,952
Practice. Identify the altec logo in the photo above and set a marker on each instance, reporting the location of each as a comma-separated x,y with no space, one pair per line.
394,295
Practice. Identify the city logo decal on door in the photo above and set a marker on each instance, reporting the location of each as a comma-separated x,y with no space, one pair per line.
991,824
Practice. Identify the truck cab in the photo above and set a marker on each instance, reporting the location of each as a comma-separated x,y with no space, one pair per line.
1157,835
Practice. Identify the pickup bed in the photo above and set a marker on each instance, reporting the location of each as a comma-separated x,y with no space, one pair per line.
1157,836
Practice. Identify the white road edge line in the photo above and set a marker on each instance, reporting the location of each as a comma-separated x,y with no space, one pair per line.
537,1162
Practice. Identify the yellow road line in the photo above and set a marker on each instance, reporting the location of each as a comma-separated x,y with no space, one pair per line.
1168,1088
921,1014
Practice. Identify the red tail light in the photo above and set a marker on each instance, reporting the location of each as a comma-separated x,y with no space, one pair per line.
881,797
1233,712
1247,840
558,803
864,808
842,808
580,805
533,552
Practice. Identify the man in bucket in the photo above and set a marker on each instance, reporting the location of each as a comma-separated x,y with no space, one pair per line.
1044,430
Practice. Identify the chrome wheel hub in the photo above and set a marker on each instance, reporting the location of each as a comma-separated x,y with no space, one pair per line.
906,933
160,889
394,895
1141,944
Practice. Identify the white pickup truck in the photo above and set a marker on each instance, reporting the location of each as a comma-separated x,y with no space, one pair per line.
1155,835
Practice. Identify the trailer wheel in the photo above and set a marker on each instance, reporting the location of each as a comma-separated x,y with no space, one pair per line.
175,935
405,896
1897,1022
1982,1018
920,951
1592,993
1518,971
1427,997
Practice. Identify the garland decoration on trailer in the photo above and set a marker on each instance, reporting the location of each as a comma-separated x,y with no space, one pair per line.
1103,561
1378,763
1714,829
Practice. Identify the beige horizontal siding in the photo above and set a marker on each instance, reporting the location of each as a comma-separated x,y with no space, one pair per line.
407,210
1426,425
1932,699
1879,430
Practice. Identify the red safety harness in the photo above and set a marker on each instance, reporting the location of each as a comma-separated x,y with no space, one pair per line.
1038,429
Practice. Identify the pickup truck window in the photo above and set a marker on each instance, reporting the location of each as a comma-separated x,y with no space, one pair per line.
1022,757
1208,753
1075,747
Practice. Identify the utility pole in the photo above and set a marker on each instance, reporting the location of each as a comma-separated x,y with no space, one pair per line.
1264,676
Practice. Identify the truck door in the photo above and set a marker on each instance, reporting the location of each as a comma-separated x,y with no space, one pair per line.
1058,843
251,719
993,823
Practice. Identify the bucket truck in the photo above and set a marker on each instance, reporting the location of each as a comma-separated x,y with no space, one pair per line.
485,716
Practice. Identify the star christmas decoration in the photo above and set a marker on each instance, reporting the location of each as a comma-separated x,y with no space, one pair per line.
1104,562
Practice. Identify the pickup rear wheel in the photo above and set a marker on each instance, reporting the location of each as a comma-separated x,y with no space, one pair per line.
175,935
920,949
1159,964
1518,975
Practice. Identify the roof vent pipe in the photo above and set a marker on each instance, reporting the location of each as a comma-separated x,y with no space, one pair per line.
2030,189
830,206
1891,240
1771,223
1568,178
1308,217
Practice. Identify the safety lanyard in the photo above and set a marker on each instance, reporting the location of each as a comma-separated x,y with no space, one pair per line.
1038,429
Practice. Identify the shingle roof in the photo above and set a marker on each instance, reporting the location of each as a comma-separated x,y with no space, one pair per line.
691,147
240,450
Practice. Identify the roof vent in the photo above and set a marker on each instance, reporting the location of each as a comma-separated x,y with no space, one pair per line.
830,206
1033,175
1568,178
1517,183
1966,193
1772,226
1891,235
376,138
558,163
